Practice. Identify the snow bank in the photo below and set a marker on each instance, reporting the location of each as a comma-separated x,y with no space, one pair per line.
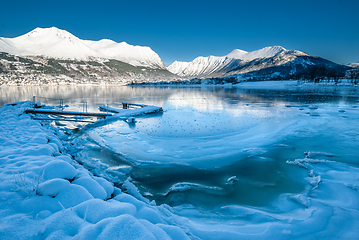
45,194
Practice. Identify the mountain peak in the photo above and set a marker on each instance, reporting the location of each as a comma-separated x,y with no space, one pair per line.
274,48
56,43
177,67
236,53
261,53
48,32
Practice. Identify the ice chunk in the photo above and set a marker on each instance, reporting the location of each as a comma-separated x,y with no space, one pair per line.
132,189
186,186
232,180
318,154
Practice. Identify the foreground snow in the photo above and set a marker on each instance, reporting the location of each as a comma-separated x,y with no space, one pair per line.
45,194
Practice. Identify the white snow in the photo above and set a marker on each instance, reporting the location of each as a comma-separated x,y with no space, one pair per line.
56,43
261,53
204,66
134,55
177,67
354,65
45,194
237,54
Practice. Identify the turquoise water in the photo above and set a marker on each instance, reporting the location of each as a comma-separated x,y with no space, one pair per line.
214,146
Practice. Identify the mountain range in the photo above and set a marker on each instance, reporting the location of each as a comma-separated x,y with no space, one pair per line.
268,62
60,44
55,51
207,66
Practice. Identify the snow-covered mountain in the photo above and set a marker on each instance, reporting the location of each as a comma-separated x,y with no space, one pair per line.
216,66
60,44
201,66
57,52
354,65
261,53
177,67
134,55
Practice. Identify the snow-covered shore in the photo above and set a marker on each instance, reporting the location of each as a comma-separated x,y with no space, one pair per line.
44,194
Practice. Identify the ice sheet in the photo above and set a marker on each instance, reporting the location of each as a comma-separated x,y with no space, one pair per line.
202,138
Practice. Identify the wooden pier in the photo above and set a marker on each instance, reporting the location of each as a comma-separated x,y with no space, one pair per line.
68,113
131,109
128,110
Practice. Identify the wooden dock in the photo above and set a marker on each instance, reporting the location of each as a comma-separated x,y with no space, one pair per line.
67,113
131,109
127,111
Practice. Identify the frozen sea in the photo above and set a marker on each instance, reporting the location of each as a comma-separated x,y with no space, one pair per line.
251,160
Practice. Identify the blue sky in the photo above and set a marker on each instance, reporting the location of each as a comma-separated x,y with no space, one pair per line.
183,30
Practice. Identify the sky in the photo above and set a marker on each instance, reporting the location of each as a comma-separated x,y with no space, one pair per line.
183,30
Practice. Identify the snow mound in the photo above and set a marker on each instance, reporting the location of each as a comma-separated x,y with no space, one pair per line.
96,210
52,187
59,169
92,186
44,196
73,195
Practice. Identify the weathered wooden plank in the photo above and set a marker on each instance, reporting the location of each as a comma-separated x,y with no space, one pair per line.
56,112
